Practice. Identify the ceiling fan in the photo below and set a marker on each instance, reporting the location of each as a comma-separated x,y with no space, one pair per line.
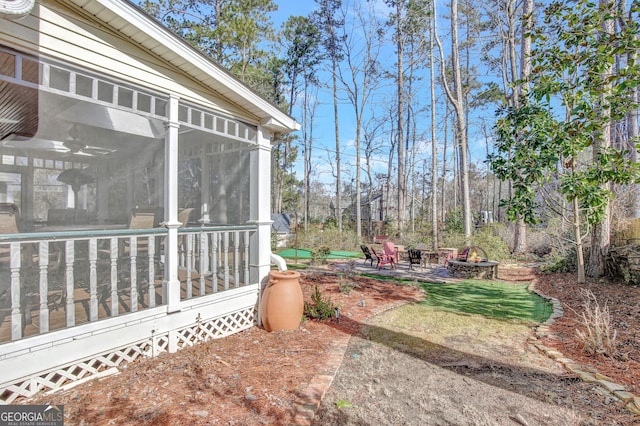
77,147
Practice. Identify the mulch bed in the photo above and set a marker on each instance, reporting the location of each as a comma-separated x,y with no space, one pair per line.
623,302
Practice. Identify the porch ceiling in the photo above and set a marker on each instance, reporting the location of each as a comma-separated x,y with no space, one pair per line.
18,111
69,129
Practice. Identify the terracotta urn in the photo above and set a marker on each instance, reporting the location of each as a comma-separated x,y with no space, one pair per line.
282,302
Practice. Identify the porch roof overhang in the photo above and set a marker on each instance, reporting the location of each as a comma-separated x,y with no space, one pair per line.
131,21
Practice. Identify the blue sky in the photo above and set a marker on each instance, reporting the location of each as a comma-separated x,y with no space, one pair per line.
324,137
324,132
288,8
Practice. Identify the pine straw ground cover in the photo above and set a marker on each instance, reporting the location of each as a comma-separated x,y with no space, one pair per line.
623,302
255,377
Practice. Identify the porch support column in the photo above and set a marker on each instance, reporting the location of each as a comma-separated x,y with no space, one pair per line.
27,197
205,192
171,283
102,193
260,209
205,197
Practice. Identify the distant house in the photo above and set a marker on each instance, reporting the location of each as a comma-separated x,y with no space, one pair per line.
373,208
134,192
281,229
375,211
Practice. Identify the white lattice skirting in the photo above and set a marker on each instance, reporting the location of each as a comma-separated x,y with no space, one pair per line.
96,366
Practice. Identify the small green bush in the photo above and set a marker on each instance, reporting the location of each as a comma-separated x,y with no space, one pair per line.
453,239
487,238
422,235
319,307
560,264
565,262
346,284
454,221
319,255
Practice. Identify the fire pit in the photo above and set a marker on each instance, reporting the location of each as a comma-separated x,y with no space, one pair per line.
473,262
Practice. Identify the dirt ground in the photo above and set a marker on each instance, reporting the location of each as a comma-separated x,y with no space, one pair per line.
409,365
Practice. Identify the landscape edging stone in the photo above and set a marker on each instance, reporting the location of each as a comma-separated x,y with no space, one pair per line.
586,373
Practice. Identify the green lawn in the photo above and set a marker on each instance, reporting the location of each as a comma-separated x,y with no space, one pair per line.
488,298
306,254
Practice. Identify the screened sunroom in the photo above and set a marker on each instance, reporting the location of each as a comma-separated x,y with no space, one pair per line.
134,192
84,184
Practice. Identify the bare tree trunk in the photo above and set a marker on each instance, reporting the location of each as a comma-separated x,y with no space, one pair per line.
520,234
444,164
218,8
496,202
456,100
434,145
456,166
462,126
369,137
577,233
601,234
306,138
632,134
359,83
400,106
387,185
310,109
578,237
337,131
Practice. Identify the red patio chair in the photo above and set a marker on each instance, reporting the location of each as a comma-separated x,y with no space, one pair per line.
391,250
384,259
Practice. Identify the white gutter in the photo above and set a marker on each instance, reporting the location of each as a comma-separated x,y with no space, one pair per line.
15,9
217,77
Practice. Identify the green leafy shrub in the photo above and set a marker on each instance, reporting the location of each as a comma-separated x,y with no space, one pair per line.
454,221
487,239
565,262
422,235
319,307
319,255
346,285
331,224
559,263
453,239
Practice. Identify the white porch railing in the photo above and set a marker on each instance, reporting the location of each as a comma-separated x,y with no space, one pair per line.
216,260
52,281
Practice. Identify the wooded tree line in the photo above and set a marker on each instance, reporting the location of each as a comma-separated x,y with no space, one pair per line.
526,110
